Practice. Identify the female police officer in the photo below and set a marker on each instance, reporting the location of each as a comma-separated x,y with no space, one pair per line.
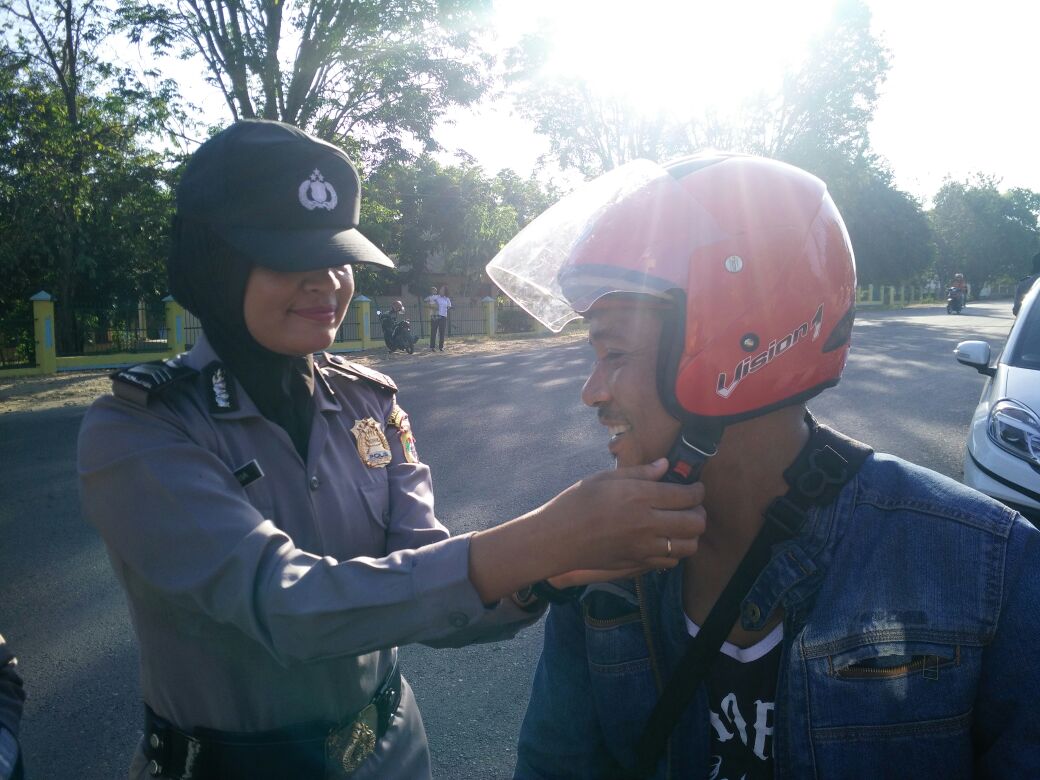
266,511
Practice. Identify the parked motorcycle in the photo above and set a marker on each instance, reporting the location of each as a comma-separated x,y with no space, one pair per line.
954,300
397,332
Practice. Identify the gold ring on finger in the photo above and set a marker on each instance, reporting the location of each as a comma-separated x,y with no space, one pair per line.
668,540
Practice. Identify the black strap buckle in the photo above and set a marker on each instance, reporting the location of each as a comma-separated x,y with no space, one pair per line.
827,470
786,516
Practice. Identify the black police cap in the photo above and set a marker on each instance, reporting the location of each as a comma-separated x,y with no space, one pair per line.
286,200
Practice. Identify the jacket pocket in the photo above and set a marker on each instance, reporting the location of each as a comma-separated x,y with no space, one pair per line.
375,498
932,747
896,708
881,663
621,672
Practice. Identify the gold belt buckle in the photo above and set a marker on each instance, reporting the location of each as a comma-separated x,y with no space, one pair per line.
347,747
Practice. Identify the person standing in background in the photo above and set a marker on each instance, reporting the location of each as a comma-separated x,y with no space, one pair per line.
439,305
962,285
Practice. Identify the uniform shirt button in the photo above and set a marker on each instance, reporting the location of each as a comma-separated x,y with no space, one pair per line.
315,483
752,614
154,768
458,619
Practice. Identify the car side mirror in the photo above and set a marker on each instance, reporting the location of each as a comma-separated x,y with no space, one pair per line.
975,354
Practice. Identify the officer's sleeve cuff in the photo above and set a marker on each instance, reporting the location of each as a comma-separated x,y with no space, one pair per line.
442,585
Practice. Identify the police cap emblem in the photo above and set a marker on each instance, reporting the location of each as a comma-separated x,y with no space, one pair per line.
316,193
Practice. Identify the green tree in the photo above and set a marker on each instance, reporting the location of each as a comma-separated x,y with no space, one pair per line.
82,200
593,132
454,217
378,71
527,197
823,108
827,104
982,233
890,232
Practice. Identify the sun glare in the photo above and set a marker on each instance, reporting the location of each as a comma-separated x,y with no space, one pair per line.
673,56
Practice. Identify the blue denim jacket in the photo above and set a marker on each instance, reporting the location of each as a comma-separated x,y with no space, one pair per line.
911,647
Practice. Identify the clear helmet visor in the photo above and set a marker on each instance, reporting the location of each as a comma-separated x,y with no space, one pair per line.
632,230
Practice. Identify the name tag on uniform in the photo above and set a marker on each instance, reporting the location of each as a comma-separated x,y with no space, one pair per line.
249,473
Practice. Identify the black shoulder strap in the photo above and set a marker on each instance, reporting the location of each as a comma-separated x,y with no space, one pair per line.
356,371
146,380
824,465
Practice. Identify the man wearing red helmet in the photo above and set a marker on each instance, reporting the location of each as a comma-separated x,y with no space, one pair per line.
846,614
961,285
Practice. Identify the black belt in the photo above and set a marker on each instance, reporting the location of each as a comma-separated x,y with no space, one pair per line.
311,750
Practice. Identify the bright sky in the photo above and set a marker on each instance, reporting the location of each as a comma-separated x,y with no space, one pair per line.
962,94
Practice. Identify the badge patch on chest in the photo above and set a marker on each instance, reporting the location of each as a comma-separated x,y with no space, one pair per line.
372,445
399,419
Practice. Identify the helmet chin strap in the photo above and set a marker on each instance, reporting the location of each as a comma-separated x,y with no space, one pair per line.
699,437
691,450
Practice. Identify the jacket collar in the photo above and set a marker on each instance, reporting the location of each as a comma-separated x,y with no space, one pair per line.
790,579
797,566
204,359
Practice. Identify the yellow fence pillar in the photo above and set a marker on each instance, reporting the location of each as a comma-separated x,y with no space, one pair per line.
43,331
174,325
364,309
490,316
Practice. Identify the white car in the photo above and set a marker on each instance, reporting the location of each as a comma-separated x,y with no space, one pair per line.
1003,453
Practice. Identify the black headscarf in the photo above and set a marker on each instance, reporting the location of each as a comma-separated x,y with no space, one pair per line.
209,279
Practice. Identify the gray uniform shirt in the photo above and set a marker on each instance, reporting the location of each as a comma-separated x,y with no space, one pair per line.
281,601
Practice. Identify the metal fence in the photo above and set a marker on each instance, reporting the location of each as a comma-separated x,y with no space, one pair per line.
467,317
17,344
349,330
99,332
510,318
192,329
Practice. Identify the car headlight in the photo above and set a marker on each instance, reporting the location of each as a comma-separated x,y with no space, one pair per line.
1014,428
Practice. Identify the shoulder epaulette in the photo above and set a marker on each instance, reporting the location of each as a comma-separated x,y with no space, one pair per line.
147,380
356,371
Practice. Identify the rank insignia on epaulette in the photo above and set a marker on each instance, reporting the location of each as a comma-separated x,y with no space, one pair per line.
399,419
372,445
359,371
221,389
141,382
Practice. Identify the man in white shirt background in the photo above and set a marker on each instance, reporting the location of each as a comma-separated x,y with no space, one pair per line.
439,304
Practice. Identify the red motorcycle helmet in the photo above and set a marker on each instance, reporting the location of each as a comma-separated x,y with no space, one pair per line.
752,252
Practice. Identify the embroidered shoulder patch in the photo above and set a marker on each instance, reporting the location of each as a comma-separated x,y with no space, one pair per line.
139,383
357,371
399,419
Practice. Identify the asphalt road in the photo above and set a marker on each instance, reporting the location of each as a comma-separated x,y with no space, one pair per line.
504,433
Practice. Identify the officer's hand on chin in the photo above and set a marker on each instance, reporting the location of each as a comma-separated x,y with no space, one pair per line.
628,522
